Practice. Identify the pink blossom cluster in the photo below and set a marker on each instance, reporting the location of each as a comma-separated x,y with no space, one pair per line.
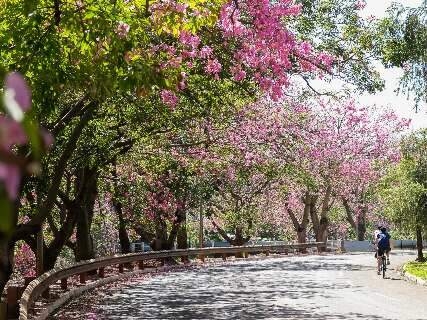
25,261
169,98
337,144
258,43
161,202
122,29
266,46
17,100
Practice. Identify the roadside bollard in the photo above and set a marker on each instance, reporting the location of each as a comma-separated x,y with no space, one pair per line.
83,277
101,272
3,310
224,256
12,302
46,293
141,265
64,284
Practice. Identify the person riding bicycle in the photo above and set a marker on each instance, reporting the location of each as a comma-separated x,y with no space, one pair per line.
383,247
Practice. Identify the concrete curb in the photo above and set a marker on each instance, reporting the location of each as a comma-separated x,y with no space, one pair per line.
411,278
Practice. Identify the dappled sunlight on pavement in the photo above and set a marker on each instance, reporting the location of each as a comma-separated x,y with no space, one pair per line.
307,287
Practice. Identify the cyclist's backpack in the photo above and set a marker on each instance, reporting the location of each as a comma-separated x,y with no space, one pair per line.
383,241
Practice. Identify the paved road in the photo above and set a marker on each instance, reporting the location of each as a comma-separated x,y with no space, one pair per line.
310,287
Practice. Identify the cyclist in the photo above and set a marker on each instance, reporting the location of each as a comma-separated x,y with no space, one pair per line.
383,246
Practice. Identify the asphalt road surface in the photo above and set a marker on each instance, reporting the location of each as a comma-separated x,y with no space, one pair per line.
294,287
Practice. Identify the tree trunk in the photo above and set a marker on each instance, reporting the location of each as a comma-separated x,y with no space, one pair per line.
84,242
239,240
60,239
87,184
160,242
321,225
361,227
123,234
118,207
419,231
33,226
163,241
302,235
182,238
360,224
322,233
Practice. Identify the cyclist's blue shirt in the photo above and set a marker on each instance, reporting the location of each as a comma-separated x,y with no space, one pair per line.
383,240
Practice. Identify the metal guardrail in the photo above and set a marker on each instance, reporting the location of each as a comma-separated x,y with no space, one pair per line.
38,286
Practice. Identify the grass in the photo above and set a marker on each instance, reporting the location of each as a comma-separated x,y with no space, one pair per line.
418,269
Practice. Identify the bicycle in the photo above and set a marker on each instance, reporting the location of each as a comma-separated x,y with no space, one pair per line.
383,264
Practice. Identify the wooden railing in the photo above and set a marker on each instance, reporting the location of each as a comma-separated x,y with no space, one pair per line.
41,285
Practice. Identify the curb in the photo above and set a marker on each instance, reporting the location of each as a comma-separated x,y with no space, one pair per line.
76,292
411,278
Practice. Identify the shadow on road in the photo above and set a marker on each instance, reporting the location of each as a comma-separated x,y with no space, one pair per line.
242,290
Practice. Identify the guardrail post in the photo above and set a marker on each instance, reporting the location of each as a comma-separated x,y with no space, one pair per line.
267,253
64,284
121,268
101,272
12,302
3,310
46,293
141,265
83,277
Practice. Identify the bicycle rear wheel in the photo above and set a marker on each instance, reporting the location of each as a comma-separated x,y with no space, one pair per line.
384,266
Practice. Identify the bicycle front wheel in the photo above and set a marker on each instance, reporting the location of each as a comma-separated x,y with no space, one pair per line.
384,267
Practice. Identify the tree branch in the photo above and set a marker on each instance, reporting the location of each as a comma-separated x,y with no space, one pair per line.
35,223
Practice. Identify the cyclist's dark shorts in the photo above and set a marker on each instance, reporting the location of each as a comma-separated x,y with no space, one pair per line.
381,251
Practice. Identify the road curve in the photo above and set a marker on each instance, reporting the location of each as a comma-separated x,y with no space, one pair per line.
294,287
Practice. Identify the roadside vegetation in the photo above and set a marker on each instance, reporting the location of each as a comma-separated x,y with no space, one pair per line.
418,269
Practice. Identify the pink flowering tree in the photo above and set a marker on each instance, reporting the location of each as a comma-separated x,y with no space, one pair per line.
346,148
319,157
106,66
